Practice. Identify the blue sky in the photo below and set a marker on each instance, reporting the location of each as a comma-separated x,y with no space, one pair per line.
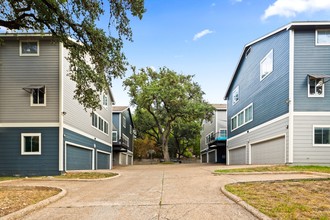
205,38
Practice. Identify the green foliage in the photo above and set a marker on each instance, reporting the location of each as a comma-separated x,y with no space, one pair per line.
164,98
72,19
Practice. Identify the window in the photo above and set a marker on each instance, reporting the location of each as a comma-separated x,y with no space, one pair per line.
29,48
105,100
266,65
125,140
30,143
315,87
243,117
235,95
124,121
322,37
114,136
130,129
38,96
322,135
99,123
223,133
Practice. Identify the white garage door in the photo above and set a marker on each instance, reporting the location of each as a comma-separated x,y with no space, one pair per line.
269,152
237,156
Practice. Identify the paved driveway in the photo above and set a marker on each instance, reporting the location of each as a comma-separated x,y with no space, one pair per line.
149,192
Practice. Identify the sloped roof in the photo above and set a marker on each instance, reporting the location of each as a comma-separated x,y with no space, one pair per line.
220,106
119,108
290,26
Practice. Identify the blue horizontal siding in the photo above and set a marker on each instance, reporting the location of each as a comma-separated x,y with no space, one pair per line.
76,138
13,163
310,59
268,96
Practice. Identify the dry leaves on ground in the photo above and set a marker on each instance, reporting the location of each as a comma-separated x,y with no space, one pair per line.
13,198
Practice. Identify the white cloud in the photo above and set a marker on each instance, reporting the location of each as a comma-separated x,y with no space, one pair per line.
202,34
291,8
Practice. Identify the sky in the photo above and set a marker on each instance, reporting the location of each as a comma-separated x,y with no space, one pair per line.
205,38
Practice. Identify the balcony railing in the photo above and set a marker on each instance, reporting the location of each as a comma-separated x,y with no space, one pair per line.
219,136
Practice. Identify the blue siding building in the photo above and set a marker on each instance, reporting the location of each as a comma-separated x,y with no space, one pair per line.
279,98
43,129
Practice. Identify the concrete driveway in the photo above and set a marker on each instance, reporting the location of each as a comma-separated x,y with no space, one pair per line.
181,191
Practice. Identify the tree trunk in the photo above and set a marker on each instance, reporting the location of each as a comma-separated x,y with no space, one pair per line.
165,137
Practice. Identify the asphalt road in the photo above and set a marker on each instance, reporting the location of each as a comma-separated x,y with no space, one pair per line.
155,192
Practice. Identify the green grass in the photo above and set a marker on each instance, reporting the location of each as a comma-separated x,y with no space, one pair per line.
85,175
322,169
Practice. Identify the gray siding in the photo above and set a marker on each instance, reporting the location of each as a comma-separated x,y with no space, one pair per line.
268,96
221,119
13,163
17,72
208,127
76,116
309,59
267,132
126,130
303,150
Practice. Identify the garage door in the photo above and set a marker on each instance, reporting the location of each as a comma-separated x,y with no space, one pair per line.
237,156
103,160
78,158
212,157
204,158
130,159
269,152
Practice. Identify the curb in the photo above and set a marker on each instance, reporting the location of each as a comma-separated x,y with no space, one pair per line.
276,172
243,204
22,212
81,180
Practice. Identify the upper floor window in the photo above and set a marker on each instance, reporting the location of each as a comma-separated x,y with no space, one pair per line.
105,100
114,136
266,65
322,37
243,117
99,123
235,95
124,121
322,135
29,48
37,94
315,86
30,143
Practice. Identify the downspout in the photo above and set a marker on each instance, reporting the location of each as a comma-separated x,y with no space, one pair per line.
61,111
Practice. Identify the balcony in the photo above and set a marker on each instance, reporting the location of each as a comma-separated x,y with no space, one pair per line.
214,138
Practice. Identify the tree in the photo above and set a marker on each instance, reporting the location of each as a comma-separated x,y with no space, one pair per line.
186,136
167,97
74,19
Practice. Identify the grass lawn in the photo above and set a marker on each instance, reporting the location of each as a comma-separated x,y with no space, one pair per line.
323,169
4,178
85,175
15,198
304,199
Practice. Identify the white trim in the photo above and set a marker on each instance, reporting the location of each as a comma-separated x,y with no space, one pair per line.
61,110
270,54
309,95
86,135
313,138
244,122
23,146
116,140
291,95
28,54
311,113
316,34
98,123
249,148
42,104
79,146
260,126
32,125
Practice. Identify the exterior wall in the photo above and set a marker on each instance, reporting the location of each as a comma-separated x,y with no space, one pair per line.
269,96
13,163
208,127
221,119
126,130
267,131
76,117
303,150
17,72
309,59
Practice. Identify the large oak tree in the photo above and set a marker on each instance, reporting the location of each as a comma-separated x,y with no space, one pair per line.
77,20
167,97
